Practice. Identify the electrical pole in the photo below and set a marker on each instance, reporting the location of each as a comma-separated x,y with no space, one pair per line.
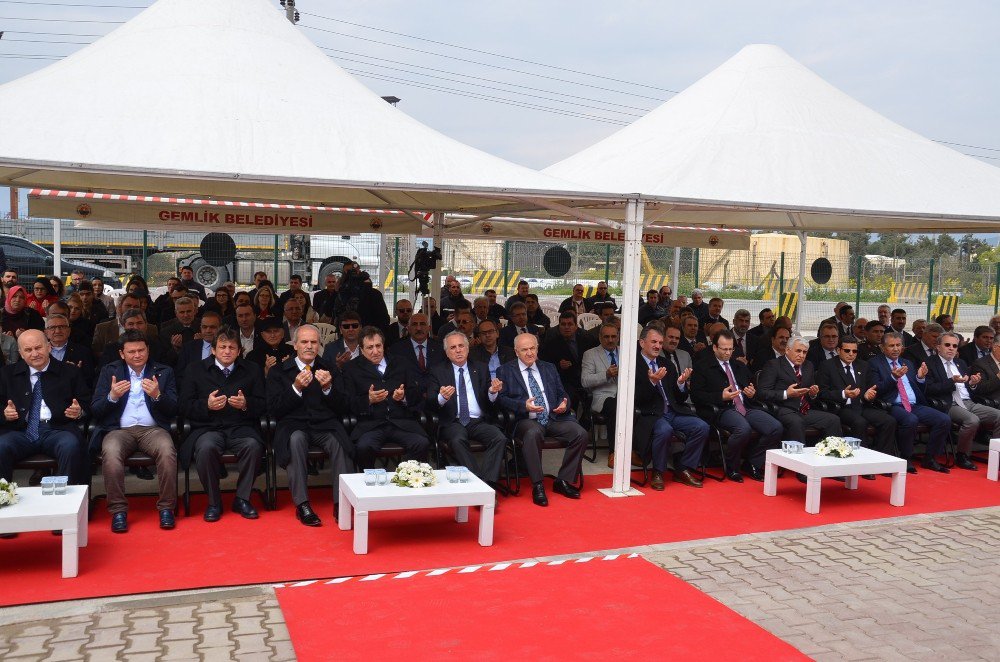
297,243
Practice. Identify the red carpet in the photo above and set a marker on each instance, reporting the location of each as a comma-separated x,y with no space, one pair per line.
594,610
277,548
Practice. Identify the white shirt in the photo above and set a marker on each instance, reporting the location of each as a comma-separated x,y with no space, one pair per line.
537,374
722,364
474,410
302,366
246,343
951,370
44,414
136,412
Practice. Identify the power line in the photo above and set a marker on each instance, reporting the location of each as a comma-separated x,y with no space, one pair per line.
48,41
67,4
53,34
988,149
492,54
57,20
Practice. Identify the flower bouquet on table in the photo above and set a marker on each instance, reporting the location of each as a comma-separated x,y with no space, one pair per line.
835,447
414,474
8,493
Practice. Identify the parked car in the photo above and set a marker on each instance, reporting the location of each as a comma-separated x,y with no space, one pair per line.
30,260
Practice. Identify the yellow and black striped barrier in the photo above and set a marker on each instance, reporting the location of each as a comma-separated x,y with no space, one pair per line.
903,292
389,280
493,280
649,282
946,304
771,287
789,302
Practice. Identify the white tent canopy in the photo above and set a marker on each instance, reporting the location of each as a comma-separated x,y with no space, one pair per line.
770,144
228,99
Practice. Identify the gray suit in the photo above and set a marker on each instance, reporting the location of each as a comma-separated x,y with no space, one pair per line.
594,376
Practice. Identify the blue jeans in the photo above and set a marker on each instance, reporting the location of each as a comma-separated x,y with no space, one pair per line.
695,432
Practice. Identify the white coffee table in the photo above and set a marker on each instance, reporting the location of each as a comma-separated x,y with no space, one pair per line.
363,499
993,464
817,467
51,512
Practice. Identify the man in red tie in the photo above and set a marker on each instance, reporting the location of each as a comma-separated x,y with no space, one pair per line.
790,383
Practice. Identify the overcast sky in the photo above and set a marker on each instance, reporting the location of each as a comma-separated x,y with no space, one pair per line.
930,66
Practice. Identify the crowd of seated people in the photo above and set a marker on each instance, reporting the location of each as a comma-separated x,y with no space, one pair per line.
89,382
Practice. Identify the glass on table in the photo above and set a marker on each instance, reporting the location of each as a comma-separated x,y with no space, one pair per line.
370,476
381,476
60,484
48,484
452,474
464,475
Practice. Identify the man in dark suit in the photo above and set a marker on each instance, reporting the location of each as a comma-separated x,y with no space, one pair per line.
533,392
134,403
564,348
844,381
898,324
660,392
790,383
692,338
766,321
745,343
982,341
921,350
725,384
714,315
135,320
43,404
949,378
489,350
824,347
901,385
57,330
522,291
649,311
307,404
383,393
773,345
464,396
272,349
419,352
183,328
222,397
107,332
835,320
398,330
495,312
195,351
348,346
601,296
988,368
518,324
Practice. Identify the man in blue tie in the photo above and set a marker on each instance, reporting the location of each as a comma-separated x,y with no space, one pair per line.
599,375
533,392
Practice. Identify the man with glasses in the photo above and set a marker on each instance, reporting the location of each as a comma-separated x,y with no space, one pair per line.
397,330
599,375
846,383
348,346
949,378
824,348
57,331
988,368
601,296
488,350
575,303
724,384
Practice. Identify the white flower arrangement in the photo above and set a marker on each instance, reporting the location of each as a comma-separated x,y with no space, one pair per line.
835,447
414,474
8,493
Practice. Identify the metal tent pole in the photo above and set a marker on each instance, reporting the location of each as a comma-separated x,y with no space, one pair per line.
800,306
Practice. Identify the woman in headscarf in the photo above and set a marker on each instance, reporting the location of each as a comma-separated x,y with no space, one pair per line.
16,316
41,296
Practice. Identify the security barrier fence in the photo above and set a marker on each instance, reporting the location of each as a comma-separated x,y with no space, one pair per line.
761,277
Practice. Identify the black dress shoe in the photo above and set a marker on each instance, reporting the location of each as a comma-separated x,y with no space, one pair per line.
753,473
962,461
910,468
933,465
244,508
565,489
213,513
144,473
868,476
735,476
167,520
801,478
119,523
7,536
538,495
685,477
305,514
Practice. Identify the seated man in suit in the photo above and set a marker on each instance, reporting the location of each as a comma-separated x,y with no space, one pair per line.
824,347
988,368
496,312
901,385
774,344
692,338
222,397
897,323
304,399
844,381
184,327
464,396
348,346
763,328
134,403
107,332
790,383
135,320
533,392
564,347
200,348
746,344
383,393
599,375
660,393
488,349
291,315
678,359
714,316
725,384
272,348
518,325
43,403
924,347
57,331
397,330
247,328
982,341
949,378
419,352
606,312
649,310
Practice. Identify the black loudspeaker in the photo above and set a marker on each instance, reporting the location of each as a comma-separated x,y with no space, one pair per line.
821,271
218,249
557,261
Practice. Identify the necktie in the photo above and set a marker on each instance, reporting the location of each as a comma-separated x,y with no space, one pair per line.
421,361
903,397
803,401
226,372
611,358
36,408
830,354
659,387
850,375
952,370
380,369
463,399
536,393
739,342
673,359
521,330
738,400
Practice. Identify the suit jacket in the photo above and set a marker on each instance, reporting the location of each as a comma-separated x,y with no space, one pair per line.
940,385
567,304
443,374
777,376
556,348
515,392
393,333
360,375
313,411
173,327
710,380
688,347
647,312
262,350
648,400
203,378
107,415
508,333
880,375
764,355
81,356
989,369
433,354
61,384
916,354
816,354
684,360
478,353
106,333
191,352
714,320
832,380
970,353
594,376
748,349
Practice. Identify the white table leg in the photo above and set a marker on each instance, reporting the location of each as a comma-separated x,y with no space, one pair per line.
70,553
360,531
82,521
897,495
770,479
344,513
993,465
813,486
486,525
462,514
851,482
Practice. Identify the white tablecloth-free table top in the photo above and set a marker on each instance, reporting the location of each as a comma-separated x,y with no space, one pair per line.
817,467
993,463
361,499
35,511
